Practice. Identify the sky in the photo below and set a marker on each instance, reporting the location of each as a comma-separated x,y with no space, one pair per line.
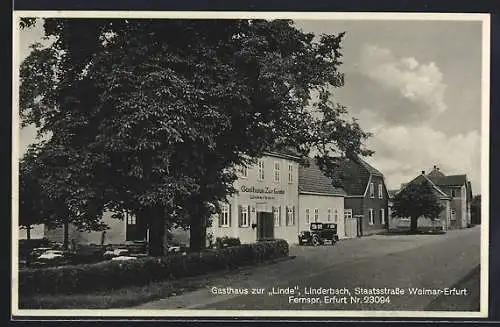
416,85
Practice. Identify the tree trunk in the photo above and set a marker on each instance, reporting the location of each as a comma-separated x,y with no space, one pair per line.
156,219
197,229
28,232
414,224
66,235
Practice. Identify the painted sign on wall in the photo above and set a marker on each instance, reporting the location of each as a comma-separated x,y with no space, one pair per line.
265,190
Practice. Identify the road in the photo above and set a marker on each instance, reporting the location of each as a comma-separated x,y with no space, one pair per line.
391,264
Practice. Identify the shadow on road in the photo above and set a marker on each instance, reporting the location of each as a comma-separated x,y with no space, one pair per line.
469,302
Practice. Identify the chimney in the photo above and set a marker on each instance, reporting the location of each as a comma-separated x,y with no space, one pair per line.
423,172
435,167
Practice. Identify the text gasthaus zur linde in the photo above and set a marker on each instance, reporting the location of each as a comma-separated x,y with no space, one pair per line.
328,295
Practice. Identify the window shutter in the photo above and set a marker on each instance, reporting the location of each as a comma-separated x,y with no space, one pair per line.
249,221
279,215
219,216
240,216
229,212
293,216
274,215
286,216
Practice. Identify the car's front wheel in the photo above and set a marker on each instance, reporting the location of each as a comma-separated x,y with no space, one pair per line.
315,241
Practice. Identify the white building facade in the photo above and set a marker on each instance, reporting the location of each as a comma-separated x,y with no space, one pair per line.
276,199
266,203
319,200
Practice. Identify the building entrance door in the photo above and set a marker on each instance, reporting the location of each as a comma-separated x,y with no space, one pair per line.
136,228
265,226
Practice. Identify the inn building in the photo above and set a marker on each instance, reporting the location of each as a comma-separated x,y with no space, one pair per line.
276,199
266,203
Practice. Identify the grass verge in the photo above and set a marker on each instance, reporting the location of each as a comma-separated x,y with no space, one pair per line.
128,296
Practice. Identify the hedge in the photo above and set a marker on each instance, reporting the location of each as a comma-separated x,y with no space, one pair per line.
111,275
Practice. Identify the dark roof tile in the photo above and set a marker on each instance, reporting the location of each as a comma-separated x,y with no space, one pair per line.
370,168
450,180
312,179
353,176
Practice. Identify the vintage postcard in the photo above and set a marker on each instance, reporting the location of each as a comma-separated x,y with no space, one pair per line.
249,164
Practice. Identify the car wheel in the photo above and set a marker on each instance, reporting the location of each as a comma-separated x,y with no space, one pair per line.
315,241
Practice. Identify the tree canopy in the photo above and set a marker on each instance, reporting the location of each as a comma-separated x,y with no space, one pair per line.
417,199
154,115
475,209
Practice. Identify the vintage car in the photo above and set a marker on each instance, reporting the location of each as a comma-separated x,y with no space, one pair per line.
319,234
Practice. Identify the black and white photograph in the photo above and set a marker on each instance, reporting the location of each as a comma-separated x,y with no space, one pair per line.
246,164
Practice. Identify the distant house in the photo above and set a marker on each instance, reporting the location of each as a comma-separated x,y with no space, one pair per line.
454,193
37,232
423,222
459,188
366,201
319,200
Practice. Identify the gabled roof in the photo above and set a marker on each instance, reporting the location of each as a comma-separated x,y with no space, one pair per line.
354,175
450,180
372,170
435,173
392,193
437,191
313,180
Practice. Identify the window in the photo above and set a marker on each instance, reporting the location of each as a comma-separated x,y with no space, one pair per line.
371,220
290,216
277,216
316,215
277,172
380,189
329,216
131,219
225,217
261,170
308,218
245,216
336,216
348,213
244,172
453,193
453,214
290,173
372,191
382,216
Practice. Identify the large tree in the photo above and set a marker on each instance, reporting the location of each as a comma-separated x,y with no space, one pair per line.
417,199
153,116
475,209
48,194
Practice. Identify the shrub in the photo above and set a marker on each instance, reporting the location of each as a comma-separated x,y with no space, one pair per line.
110,275
223,242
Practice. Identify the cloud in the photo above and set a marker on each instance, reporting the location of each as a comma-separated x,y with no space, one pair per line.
398,100
402,152
418,83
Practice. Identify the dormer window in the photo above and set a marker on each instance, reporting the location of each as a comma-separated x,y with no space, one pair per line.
372,190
